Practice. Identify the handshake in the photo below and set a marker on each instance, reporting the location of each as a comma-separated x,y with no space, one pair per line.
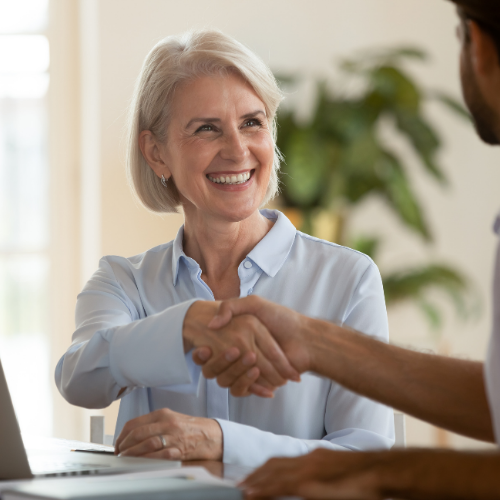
250,345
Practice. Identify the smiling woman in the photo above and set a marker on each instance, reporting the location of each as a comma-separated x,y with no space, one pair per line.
203,136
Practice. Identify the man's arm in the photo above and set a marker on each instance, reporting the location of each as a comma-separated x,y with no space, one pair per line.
412,474
446,392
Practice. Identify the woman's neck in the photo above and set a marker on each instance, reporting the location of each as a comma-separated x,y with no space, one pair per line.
219,246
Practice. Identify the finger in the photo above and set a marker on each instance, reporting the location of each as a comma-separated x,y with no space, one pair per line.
229,376
133,424
274,354
242,384
272,478
202,355
138,436
261,391
223,316
223,362
268,372
166,454
149,444
233,307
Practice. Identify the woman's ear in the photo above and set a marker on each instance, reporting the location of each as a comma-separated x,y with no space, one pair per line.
152,152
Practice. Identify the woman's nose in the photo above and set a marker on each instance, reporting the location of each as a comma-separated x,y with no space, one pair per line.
234,147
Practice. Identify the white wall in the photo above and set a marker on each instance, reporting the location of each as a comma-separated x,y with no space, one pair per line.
307,36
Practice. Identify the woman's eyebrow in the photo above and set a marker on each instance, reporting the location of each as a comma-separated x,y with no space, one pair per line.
202,120
211,120
253,113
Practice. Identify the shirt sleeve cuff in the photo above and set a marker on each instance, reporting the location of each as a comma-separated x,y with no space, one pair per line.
150,352
251,447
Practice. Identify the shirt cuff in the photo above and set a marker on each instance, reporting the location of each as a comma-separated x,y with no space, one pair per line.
251,447
150,352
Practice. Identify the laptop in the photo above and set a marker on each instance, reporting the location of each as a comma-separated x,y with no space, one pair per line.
18,463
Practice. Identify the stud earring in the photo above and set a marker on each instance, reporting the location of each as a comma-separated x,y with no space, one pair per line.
164,181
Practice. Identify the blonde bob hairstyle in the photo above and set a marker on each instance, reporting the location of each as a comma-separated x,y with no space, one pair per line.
174,60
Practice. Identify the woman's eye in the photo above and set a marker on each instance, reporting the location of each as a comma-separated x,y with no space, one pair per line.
205,128
253,123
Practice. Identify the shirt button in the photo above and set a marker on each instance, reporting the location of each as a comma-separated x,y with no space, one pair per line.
250,291
247,264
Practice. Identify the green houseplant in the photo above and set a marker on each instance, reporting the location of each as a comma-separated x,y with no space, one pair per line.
337,159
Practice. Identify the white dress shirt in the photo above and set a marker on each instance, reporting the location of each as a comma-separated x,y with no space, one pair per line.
492,365
129,320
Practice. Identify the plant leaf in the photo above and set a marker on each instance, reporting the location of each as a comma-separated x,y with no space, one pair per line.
366,244
452,104
305,168
412,283
397,191
423,138
397,89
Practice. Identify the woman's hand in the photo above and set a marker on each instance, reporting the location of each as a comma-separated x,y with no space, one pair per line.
185,437
245,343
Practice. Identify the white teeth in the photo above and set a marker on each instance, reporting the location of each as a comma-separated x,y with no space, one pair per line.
233,179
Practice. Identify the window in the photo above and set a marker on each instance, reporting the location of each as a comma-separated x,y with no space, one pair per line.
24,210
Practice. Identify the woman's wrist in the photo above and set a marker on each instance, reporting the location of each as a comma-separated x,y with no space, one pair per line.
215,440
196,320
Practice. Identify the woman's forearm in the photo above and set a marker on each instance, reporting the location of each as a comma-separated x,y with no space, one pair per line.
444,391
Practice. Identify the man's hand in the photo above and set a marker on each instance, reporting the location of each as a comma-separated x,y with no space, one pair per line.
242,342
286,326
320,474
185,437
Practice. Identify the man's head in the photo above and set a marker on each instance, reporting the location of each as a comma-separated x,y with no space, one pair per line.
480,64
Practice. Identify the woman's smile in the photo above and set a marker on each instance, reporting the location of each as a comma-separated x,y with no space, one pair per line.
231,181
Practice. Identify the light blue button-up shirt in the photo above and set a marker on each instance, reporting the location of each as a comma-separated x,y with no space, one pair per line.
129,320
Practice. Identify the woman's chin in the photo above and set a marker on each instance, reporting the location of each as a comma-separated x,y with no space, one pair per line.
233,213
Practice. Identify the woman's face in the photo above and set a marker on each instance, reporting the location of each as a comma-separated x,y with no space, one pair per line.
219,149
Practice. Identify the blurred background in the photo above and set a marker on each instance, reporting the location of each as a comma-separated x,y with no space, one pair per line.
378,156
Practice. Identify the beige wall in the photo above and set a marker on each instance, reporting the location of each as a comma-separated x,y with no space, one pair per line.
306,36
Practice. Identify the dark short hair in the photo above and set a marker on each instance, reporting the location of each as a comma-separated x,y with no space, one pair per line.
486,13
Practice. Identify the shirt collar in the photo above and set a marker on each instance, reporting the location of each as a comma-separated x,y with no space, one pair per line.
269,254
272,251
177,253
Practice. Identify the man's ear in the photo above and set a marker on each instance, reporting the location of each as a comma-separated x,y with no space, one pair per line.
151,150
483,51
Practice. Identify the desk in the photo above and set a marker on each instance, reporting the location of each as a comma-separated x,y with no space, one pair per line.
218,469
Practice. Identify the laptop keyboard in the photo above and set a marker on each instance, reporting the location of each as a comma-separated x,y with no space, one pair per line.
56,468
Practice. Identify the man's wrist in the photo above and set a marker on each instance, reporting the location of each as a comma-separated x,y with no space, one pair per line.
320,339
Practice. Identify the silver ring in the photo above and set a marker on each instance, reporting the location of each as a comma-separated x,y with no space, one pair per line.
163,442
